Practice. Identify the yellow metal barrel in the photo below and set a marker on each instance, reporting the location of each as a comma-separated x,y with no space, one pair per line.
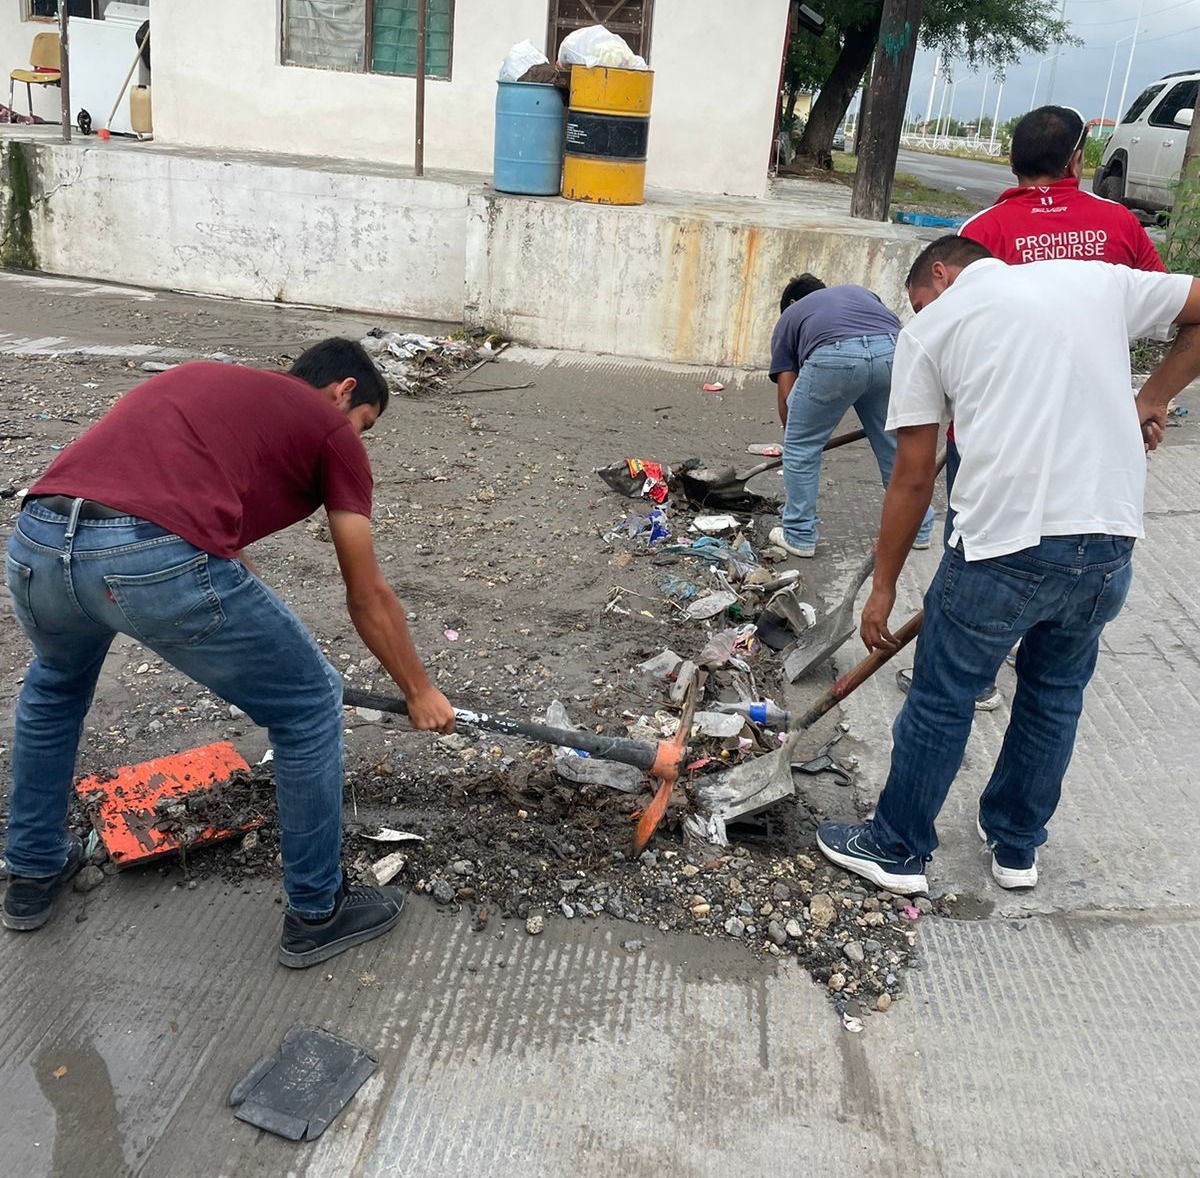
608,127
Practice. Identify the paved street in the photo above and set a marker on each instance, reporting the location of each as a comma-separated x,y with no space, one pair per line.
1049,1033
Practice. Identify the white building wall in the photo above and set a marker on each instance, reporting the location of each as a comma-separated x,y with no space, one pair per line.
716,77
218,83
16,36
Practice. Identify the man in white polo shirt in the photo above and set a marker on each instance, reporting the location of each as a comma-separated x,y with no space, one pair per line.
1032,363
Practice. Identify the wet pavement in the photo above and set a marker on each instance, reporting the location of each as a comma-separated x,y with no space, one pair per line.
1049,1032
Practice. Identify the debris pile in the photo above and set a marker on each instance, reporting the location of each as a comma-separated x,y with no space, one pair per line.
424,366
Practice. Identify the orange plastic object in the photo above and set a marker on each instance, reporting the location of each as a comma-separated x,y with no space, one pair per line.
129,825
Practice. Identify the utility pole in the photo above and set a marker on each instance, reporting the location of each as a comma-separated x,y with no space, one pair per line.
64,66
419,137
1062,15
879,138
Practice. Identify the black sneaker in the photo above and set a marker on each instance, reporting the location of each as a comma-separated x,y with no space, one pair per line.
360,914
28,903
852,845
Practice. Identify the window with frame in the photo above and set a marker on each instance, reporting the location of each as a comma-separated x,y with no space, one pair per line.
1180,97
48,9
368,36
1142,101
630,19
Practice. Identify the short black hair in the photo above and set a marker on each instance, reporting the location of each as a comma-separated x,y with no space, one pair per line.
951,250
335,359
803,284
1044,141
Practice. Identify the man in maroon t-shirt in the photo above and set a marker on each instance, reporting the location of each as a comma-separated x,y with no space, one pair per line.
139,528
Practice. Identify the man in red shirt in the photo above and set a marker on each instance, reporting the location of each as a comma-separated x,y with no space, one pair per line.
138,528
1048,215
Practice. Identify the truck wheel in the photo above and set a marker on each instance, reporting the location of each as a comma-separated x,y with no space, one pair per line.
1113,187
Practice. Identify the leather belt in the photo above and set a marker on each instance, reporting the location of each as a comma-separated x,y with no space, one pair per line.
62,504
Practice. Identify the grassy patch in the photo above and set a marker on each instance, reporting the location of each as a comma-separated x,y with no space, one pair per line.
908,192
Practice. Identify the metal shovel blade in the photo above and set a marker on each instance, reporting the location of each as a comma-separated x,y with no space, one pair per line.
746,789
819,642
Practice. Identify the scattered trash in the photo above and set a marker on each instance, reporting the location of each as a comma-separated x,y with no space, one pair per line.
764,712
387,868
678,589
371,715
710,605
450,635
387,835
911,913
851,1023
420,365
662,666
710,525
1178,411
637,478
715,387
730,646
766,449
577,766
722,725
298,1090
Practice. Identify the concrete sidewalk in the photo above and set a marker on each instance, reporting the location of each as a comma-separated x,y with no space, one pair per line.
1052,1033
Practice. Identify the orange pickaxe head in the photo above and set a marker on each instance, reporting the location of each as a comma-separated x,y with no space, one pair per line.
671,754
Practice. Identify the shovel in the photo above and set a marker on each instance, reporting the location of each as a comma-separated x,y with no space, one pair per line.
724,487
760,783
822,640
661,759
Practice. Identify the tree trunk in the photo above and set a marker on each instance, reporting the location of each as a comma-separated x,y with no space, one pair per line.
789,110
830,108
883,109
1183,236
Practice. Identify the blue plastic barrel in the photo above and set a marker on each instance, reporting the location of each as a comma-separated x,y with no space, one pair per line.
528,156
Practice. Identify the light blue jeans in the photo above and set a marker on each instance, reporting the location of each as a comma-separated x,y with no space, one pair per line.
75,584
1056,598
852,372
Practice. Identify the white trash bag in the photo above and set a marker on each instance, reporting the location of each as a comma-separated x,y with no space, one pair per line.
521,58
594,46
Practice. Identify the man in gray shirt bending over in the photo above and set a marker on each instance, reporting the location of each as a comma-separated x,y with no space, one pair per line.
832,349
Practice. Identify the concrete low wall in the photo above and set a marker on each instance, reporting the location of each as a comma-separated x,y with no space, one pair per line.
664,281
251,227
671,280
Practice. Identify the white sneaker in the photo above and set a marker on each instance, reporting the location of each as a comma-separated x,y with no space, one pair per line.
775,536
1010,877
985,701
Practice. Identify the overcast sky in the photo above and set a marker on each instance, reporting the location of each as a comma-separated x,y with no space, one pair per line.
1168,39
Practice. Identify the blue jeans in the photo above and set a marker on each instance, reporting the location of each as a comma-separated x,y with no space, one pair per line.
851,372
75,584
1056,598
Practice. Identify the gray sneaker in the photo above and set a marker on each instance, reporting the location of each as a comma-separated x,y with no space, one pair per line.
1009,877
985,701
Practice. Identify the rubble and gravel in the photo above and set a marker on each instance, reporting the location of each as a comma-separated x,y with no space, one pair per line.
526,580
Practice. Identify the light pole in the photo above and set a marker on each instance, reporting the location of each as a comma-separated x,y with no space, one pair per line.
937,62
1112,65
1037,81
996,116
982,108
1129,65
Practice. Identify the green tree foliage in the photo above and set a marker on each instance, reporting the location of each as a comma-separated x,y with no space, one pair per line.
992,33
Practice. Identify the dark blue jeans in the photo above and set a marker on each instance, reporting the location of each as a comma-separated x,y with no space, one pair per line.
75,584
1056,599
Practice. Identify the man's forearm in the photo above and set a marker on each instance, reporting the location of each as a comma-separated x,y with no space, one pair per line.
904,507
380,621
1179,367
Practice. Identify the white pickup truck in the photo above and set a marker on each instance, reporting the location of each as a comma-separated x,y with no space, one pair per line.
1142,159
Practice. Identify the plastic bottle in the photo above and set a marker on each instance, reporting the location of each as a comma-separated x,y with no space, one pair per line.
765,712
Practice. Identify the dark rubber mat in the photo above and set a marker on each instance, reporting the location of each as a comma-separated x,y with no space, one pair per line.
298,1090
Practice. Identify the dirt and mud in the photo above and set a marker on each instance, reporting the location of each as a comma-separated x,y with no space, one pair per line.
527,580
